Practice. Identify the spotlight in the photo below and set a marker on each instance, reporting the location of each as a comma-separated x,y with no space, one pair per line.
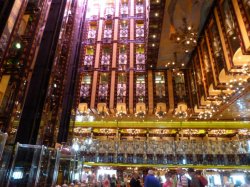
18,45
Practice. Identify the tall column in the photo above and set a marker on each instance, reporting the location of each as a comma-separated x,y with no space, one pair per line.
170,91
33,106
131,59
150,92
96,63
114,57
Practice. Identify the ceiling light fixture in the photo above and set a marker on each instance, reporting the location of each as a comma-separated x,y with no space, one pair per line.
186,35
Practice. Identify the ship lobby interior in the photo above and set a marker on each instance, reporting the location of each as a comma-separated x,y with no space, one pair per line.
91,87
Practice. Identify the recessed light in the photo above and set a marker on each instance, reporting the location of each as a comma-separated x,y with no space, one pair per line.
154,36
153,45
156,14
189,28
186,51
182,64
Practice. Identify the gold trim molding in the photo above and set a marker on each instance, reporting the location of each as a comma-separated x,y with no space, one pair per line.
166,124
169,166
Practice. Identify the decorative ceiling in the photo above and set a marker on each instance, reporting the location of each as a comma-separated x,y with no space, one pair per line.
182,22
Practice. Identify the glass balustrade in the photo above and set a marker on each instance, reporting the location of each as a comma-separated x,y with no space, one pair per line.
36,165
167,152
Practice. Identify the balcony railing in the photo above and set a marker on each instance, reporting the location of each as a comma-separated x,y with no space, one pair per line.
168,152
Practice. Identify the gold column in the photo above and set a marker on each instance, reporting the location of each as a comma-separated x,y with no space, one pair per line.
93,93
116,28
99,35
117,2
170,91
96,65
150,92
131,60
97,55
112,92
113,76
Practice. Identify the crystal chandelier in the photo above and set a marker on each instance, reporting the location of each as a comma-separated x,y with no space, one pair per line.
218,132
236,83
206,114
213,107
106,131
133,132
80,130
245,69
181,114
102,114
140,114
190,131
186,36
244,132
181,110
84,113
222,97
102,110
160,114
121,114
162,131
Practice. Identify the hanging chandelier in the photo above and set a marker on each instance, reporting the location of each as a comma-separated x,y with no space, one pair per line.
186,36
213,107
79,130
160,114
236,84
106,131
206,114
190,131
162,131
244,132
181,110
181,114
102,110
140,114
245,70
133,132
223,97
121,114
218,132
